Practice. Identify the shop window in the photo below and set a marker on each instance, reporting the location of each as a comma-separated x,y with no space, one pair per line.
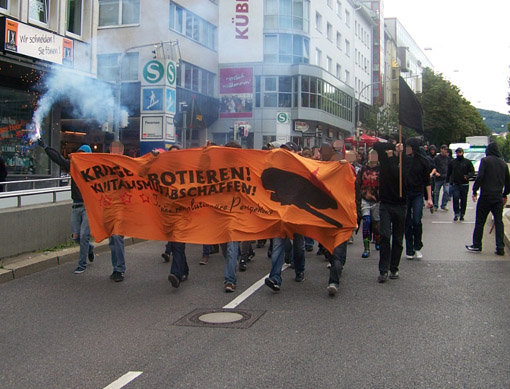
74,12
118,12
39,11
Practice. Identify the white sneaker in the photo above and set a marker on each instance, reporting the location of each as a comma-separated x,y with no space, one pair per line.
418,254
409,256
332,288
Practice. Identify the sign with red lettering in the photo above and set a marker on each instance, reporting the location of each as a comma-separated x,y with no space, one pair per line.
240,30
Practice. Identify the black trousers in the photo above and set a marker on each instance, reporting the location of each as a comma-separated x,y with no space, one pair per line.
392,227
494,205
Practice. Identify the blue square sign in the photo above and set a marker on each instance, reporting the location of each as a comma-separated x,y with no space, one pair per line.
170,101
152,99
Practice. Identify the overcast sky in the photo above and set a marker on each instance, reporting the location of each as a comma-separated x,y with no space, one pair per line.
470,42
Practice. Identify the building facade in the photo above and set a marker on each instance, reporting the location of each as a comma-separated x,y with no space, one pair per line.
41,38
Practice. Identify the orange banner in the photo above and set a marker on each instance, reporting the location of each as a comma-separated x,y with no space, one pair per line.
215,195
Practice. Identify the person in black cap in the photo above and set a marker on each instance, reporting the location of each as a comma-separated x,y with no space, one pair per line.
494,181
80,230
460,170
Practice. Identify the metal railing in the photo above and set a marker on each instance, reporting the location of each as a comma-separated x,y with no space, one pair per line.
47,190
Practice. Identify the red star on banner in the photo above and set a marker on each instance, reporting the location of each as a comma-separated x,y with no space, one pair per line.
145,199
126,198
105,201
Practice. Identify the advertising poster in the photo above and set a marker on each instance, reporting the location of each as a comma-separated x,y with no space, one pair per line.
236,92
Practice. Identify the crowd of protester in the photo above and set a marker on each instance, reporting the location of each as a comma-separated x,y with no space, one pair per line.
394,183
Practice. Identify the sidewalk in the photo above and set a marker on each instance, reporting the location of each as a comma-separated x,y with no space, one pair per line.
22,265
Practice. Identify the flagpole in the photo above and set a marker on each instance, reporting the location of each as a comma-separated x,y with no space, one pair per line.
400,161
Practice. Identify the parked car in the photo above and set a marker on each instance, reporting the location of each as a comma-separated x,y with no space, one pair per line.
475,156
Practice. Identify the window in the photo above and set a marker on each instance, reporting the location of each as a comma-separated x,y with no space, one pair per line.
318,57
118,12
108,67
287,14
270,95
318,21
192,26
196,79
330,4
329,32
329,64
347,77
347,18
338,71
319,94
347,48
39,10
4,4
284,91
339,41
74,9
286,48
339,9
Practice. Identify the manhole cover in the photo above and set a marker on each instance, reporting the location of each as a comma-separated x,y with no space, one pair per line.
220,318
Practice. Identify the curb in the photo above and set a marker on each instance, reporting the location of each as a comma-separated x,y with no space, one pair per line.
24,265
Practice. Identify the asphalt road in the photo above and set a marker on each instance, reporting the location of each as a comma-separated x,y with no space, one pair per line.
443,324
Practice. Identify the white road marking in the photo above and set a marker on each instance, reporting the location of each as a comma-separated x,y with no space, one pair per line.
124,380
248,292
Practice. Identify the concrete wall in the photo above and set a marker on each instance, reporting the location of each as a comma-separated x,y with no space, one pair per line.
34,227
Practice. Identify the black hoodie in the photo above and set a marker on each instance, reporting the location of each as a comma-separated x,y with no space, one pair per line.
493,177
419,168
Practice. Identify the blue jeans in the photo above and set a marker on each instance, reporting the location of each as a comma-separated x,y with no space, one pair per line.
116,244
278,256
309,242
179,266
392,235
230,251
80,233
438,184
414,227
459,193
206,250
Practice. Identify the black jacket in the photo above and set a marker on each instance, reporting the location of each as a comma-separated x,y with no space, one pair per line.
389,175
493,178
65,165
460,170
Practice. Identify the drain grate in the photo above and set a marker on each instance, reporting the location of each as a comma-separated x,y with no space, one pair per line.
220,318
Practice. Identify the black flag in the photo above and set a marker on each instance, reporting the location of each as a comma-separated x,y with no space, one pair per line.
410,113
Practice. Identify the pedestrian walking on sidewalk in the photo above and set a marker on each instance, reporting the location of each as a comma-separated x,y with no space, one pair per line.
493,180
460,170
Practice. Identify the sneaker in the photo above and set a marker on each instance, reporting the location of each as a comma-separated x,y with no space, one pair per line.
365,254
309,248
272,284
432,210
409,256
473,248
383,277
79,270
91,256
332,289
204,260
300,277
184,277
174,280
251,255
394,275
166,257
117,276
242,265
461,218
351,240
500,252
444,208
418,254
229,287
455,218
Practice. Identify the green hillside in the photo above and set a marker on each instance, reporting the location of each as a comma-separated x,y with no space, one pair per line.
497,122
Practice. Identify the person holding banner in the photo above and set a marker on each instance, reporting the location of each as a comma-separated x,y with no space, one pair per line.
274,280
80,230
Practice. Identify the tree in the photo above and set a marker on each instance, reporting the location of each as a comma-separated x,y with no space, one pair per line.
448,116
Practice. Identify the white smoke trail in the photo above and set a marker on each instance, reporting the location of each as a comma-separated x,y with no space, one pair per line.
91,99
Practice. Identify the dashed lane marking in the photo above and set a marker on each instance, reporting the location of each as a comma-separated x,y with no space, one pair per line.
124,380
